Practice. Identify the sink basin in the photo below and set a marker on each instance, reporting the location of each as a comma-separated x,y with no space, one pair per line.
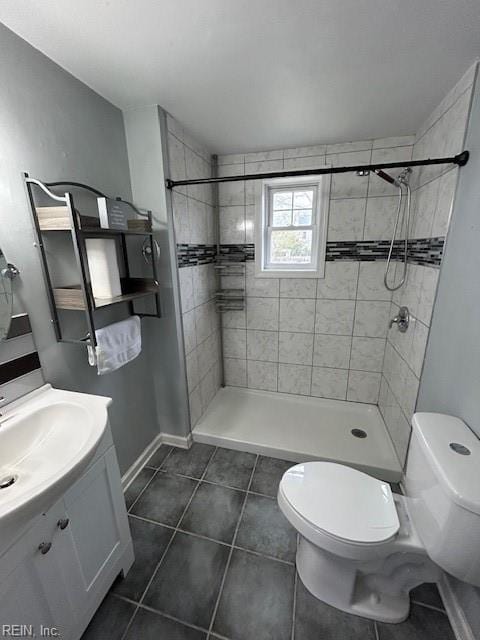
47,440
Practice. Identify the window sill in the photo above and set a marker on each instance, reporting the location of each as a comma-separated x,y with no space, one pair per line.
280,273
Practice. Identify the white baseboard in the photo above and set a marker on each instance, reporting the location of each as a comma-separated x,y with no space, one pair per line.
183,442
460,626
139,463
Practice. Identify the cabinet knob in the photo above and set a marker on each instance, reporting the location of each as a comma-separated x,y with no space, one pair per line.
44,547
63,523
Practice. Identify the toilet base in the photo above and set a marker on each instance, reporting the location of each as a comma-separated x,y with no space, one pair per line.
378,590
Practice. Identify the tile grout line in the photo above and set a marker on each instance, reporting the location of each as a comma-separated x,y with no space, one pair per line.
314,333
227,565
152,577
367,194
156,469
221,542
353,322
158,612
428,606
140,602
176,528
278,335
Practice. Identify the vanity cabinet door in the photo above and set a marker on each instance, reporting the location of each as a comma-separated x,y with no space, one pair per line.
95,531
58,572
31,594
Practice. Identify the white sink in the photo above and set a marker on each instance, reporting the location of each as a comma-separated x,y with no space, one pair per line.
47,439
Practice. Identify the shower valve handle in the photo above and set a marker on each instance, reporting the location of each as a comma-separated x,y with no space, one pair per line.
402,320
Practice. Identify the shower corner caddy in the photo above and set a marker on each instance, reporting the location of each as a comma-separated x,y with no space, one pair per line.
63,217
230,265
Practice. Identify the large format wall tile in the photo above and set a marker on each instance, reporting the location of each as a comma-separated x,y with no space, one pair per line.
335,317
380,217
332,351
262,345
295,348
298,287
371,318
349,185
350,300
370,282
363,386
262,375
346,219
262,313
235,343
442,134
367,354
193,224
235,372
294,378
340,281
297,315
329,383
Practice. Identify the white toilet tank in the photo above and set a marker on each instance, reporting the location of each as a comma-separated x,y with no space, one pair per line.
443,486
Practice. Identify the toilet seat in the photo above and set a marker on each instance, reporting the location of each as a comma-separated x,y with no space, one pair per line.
338,508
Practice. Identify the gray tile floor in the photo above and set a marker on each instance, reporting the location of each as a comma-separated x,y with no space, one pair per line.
215,559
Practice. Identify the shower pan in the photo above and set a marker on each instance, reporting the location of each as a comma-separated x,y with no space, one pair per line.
300,428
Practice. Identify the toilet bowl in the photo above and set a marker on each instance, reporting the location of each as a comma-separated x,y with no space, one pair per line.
363,548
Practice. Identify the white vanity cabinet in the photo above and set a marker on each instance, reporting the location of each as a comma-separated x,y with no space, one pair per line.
57,573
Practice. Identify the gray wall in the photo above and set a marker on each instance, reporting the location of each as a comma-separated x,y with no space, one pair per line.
451,377
54,127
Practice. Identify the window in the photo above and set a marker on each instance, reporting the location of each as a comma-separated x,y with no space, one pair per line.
291,227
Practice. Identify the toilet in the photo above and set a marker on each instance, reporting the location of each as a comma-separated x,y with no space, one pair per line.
363,548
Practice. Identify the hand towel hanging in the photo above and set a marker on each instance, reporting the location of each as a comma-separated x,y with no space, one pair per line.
117,344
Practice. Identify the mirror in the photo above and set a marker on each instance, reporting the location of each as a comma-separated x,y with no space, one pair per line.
6,296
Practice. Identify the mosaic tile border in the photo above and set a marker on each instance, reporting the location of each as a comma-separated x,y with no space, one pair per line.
189,255
247,251
421,251
426,251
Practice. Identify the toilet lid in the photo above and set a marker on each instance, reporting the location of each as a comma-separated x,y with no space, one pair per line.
342,501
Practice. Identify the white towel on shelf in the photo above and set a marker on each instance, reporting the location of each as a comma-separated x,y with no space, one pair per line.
117,344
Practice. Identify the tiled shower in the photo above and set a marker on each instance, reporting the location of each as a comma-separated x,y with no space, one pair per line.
329,337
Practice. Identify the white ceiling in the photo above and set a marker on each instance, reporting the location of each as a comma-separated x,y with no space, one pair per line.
258,74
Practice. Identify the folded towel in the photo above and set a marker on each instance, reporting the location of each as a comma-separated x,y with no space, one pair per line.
117,344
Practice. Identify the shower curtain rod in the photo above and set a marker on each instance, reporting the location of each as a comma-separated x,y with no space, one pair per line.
460,159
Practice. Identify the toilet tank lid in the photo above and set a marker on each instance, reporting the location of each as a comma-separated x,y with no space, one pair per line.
454,454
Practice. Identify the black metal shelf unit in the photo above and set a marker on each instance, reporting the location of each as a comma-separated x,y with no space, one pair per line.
63,217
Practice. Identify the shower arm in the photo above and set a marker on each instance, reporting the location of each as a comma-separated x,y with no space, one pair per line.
385,176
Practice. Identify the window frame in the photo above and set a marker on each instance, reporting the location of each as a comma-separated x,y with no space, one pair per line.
264,215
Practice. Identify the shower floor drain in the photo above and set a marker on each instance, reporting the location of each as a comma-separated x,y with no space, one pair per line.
358,433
